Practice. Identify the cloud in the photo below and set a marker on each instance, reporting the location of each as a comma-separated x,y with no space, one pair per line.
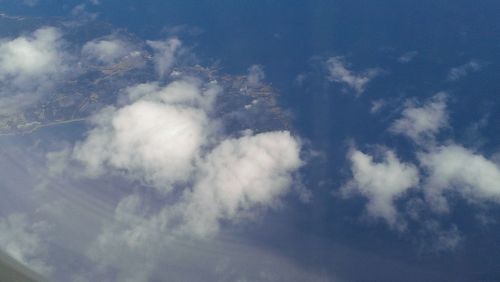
30,3
81,13
164,54
440,239
35,56
407,57
21,239
106,51
176,174
454,168
448,167
377,105
339,72
131,242
422,122
185,92
235,179
238,176
382,183
30,66
255,76
167,137
461,71
164,137
443,170
156,138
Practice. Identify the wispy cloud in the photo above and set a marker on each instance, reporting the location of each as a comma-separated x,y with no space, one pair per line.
165,53
407,57
339,72
23,241
255,76
459,72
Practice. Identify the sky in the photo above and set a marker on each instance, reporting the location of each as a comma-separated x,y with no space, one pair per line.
361,143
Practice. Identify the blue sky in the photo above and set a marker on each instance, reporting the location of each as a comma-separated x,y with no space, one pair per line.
382,155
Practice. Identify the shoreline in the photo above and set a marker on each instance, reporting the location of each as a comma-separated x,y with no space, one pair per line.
42,126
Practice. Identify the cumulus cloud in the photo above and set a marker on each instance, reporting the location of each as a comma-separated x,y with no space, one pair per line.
459,72
442,170
35,56
340,73
453,168
30,65
163,137
106,51
382,183
166,137
156,138
421,122
239,175
189,176
164,54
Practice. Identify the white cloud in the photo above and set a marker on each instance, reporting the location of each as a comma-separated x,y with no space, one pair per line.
131,243
156,138
377,105
339,72
382,183
453,168
407,57
421,123
30,66
444,170
21,239
185,92
165,54
461,71
35,56
167,137
441,239
81,13
255,76
238,176
106,50
162,137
